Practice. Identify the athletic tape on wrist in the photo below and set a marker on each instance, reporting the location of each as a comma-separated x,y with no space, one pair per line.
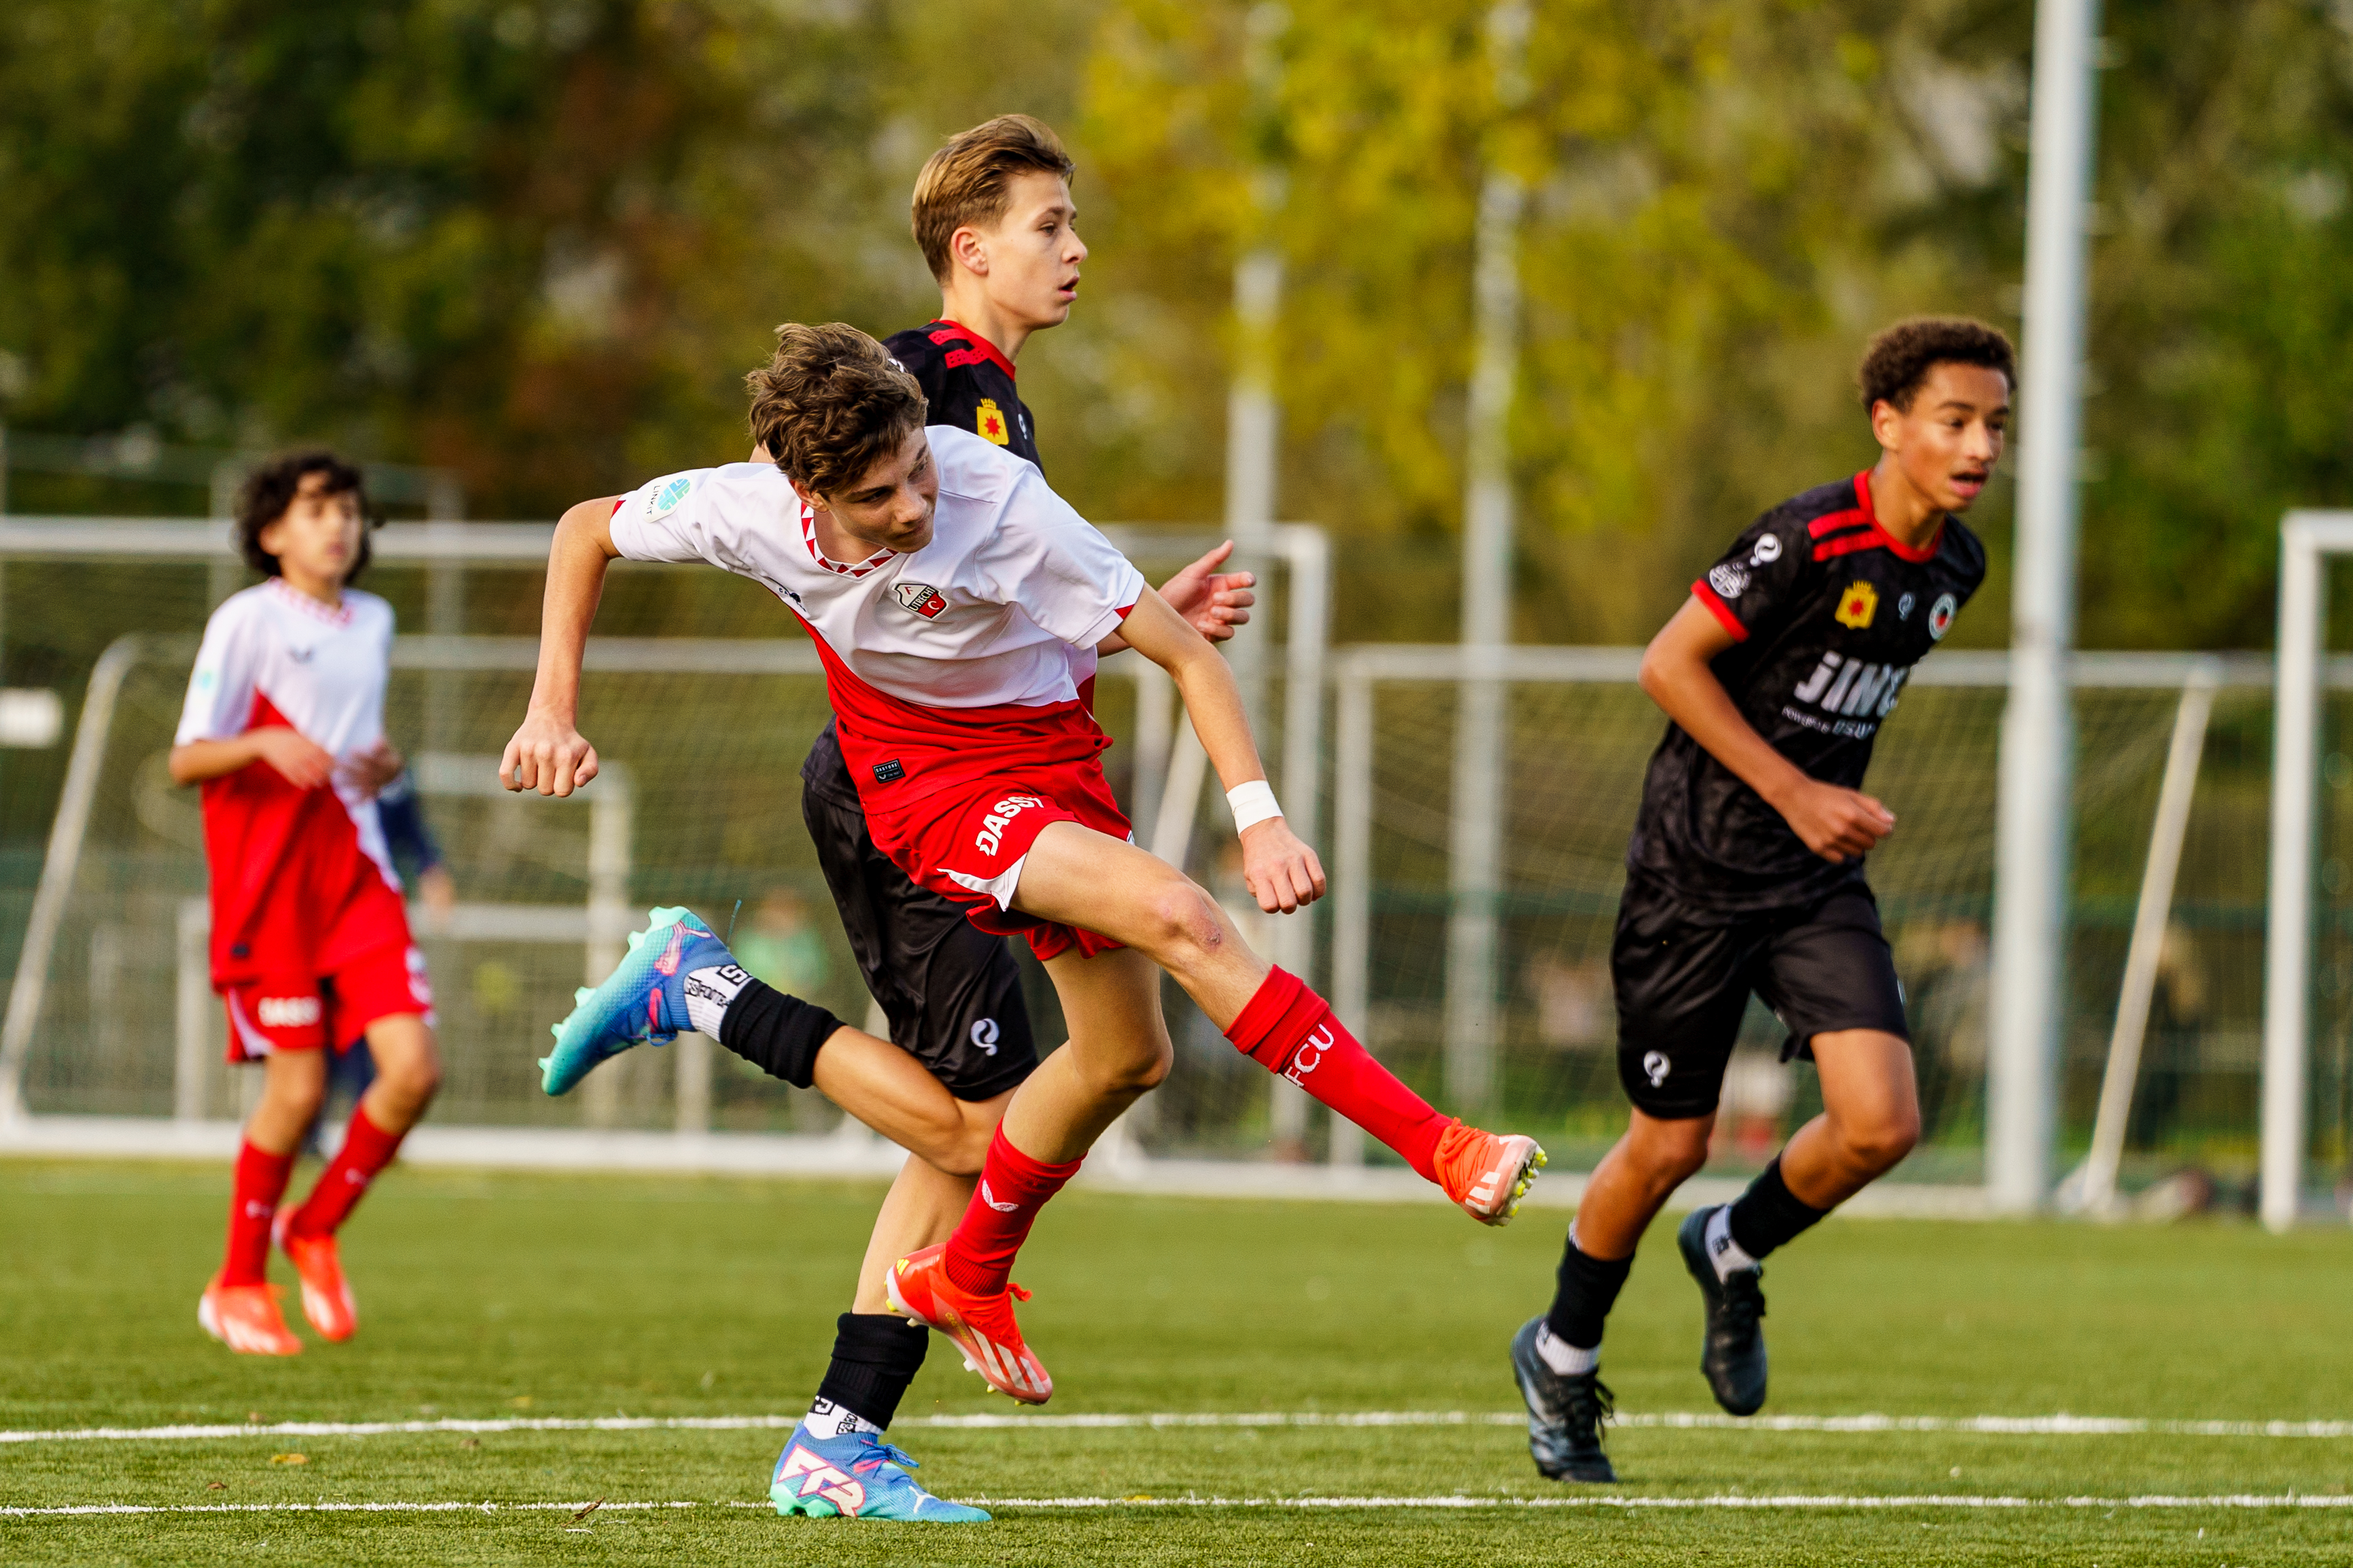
1253,803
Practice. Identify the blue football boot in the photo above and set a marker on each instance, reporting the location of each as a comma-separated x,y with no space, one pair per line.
642,1001
856,1476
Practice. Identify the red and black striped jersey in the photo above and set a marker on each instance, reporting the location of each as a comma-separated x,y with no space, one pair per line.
1829,612
969,383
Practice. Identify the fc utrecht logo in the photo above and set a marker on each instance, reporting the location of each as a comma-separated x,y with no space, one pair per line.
922,598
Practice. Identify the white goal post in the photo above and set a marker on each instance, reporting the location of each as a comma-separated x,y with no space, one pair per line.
2307,539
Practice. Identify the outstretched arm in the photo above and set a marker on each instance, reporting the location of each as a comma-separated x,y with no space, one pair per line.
1282,872
548,752
1834,822
1214,601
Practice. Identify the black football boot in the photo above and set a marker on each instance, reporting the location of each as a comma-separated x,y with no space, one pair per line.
1732,1355
1566,1415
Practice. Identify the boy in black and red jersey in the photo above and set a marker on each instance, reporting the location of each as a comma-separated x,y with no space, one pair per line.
284,728
1745,874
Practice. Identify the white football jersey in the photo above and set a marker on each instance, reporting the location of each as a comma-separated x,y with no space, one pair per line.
1002,609
270,651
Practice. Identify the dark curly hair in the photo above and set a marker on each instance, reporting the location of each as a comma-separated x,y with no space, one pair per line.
831,404
270,488
1898,361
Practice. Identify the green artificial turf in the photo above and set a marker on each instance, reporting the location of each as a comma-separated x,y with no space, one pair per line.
508,1296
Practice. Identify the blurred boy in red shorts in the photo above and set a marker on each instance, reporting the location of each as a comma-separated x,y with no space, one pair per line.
284,728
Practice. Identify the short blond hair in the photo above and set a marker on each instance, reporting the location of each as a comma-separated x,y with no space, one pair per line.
831,404
969,180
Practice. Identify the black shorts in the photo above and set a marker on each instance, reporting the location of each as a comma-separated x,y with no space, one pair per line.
1684,979
952,991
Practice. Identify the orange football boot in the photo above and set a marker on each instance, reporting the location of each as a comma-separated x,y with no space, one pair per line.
980,1326
245,1319
1487,1175
326,1298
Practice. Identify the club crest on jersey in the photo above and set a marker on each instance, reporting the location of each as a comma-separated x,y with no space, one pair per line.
1858,604
921,597
990,423
1940,615
1728,580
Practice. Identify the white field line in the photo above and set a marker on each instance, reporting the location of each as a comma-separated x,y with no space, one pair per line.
2056,1425
1454,1500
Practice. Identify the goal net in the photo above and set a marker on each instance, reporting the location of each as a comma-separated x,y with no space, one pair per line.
1580,734
701,737
703,700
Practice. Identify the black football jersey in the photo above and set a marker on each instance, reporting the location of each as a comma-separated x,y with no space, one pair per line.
969,384
1829,614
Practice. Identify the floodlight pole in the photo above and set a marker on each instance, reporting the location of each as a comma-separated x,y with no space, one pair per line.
1481,734
1253,450
2032,822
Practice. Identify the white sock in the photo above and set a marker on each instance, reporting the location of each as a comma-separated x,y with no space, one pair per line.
1722,1250
1564,1358
827,1419
709,993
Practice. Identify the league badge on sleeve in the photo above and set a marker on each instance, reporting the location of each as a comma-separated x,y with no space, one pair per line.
922,598
991,422
1857,604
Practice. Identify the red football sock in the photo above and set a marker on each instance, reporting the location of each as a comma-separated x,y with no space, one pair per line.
1013,1188
1288,1029
366,1150
253,1203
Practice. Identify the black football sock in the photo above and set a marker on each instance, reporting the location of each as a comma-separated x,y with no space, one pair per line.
875,1356
1768,1214
1587,1289
777,1033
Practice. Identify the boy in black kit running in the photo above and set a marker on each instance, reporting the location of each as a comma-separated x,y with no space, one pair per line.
1745,873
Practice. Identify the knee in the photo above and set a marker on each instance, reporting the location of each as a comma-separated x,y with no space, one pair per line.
1137,1075
961,1150
414,1077
1670,1153
1182,924
300,1098
1879,1143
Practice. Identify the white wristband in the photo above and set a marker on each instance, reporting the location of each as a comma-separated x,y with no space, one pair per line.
1253,803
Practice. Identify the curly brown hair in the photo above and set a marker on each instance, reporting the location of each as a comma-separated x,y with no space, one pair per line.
831,404
969,179
1898,361
270,488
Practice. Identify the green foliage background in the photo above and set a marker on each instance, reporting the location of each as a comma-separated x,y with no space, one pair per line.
540,241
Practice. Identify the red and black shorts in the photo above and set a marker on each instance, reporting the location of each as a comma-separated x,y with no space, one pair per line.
305,1012
967,843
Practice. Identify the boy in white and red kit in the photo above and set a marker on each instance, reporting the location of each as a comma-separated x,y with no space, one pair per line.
311,950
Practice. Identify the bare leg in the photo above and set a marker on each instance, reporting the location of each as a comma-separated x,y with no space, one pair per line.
293,1086
921,1210
1635,1179
883,1087
1869,1119
1119,1050
407,1071
1082,877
